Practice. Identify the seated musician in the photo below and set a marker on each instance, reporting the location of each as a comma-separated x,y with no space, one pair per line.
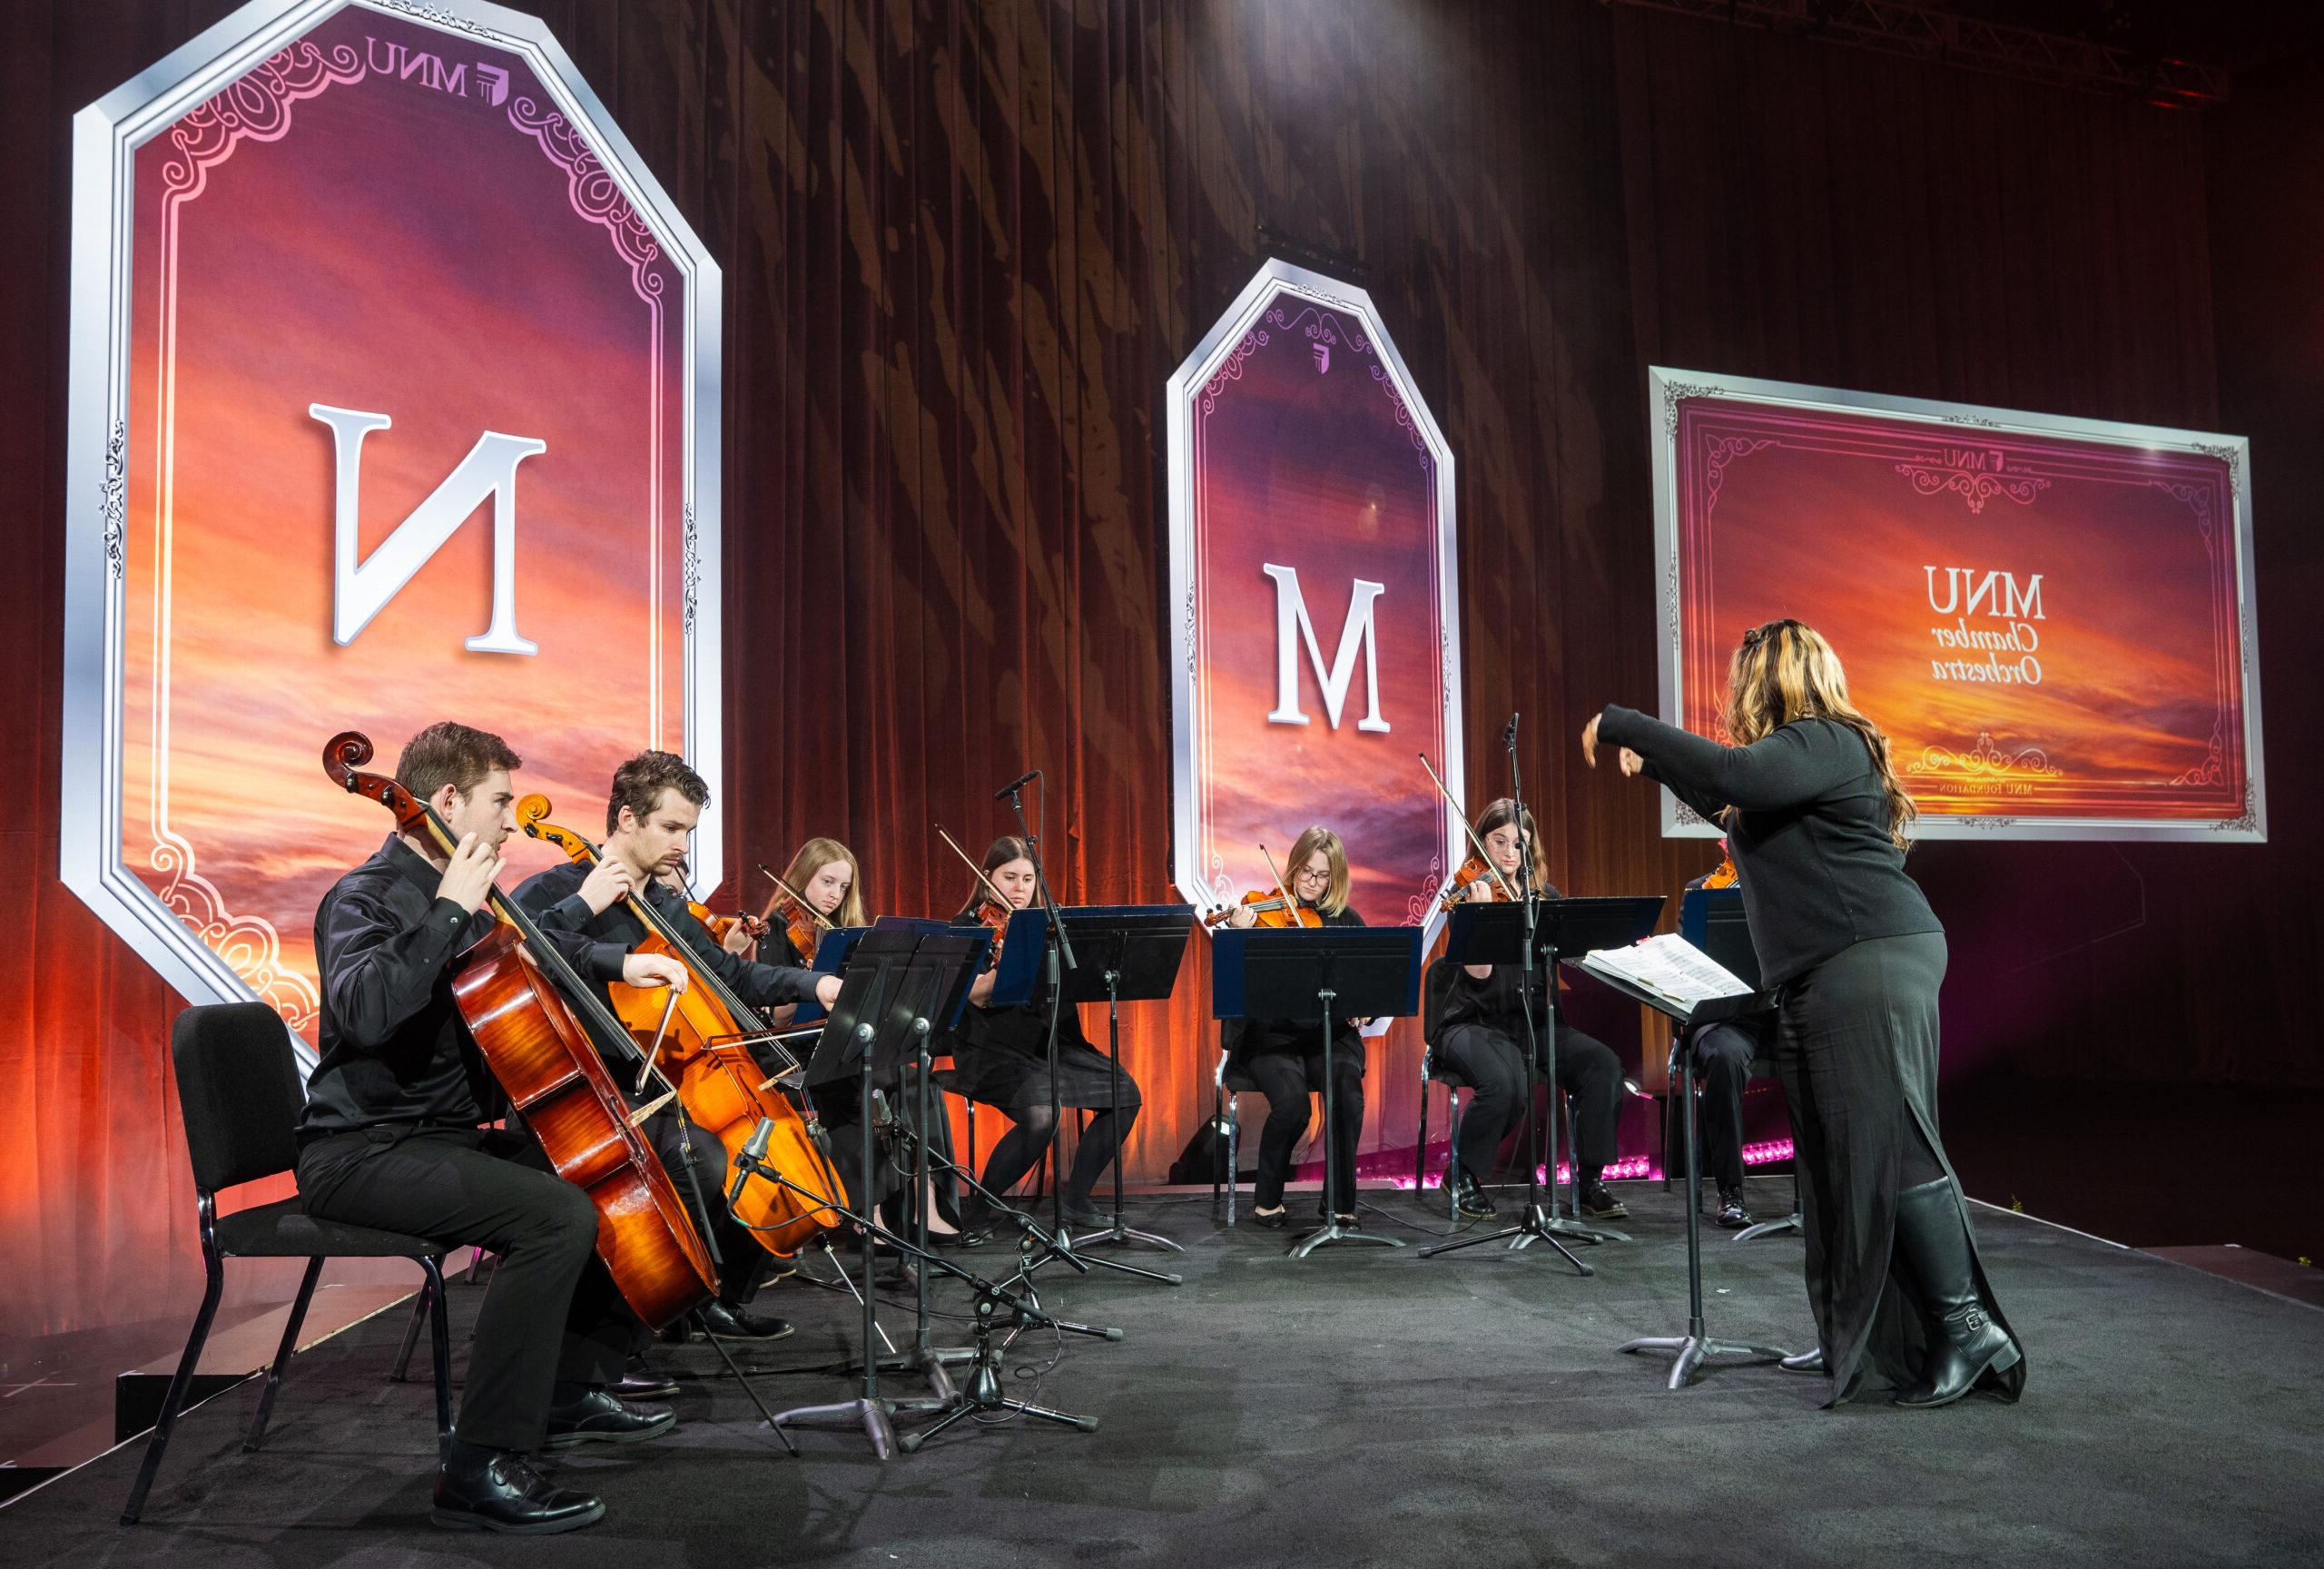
1723,1056
1482,1039
391,1138
1284,1057
1000,1057
651,811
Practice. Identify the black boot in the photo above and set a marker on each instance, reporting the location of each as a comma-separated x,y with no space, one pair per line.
1966,1343
481,1489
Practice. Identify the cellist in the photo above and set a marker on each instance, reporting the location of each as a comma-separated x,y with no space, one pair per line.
392,1137
651,810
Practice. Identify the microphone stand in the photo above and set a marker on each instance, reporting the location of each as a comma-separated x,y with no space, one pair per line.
1058,957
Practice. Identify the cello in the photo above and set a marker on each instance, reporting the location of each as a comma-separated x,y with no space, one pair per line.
719,1081
525,1006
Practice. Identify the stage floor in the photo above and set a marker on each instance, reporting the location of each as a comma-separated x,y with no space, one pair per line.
1364,1406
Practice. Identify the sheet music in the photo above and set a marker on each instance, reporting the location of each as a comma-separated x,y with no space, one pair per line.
1670,966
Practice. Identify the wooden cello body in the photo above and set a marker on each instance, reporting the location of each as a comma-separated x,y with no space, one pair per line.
549,1067
706,1053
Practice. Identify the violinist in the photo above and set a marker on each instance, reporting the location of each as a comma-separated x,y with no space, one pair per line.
1000,1057
654,801
391,1138
1482,1038
1283,1057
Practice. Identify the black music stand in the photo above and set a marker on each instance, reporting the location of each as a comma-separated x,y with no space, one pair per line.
1129,954
1695,1346
870,1025
1496,934
1328,973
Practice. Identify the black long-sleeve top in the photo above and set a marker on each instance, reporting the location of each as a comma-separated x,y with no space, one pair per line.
554,900
1809,835
394,1048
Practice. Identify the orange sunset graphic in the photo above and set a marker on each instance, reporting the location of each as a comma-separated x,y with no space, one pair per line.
374,239
2047,628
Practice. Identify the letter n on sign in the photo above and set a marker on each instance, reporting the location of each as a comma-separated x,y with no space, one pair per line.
1314,618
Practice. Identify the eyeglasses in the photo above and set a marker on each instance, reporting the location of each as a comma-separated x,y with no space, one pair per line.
1306,874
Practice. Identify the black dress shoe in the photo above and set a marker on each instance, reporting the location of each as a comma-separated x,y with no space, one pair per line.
1810,1361
498,1490
1083,1216
1731,1213
643,1383
1599,1203
1472,1201
601,1417
729,1322
1274,1222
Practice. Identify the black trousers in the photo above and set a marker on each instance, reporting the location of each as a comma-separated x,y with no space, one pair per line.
1286,1078
551,1316
1723,1054
1490,1057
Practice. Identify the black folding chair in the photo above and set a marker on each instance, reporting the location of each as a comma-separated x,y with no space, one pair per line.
238,1094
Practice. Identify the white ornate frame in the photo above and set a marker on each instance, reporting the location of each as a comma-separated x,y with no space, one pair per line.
106,136
1667,388
1209,361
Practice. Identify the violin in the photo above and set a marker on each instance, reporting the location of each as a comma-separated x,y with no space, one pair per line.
804,926
1272,911
1725,876
994,917
525,1007
1457,891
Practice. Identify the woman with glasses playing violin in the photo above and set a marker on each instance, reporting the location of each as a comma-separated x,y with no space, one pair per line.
1284,1057
1482,1038
1000,1057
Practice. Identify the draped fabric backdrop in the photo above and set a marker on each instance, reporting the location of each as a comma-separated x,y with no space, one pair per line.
966,243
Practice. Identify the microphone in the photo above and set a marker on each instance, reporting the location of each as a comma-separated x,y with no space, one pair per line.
1509,732
1016,785
754,1154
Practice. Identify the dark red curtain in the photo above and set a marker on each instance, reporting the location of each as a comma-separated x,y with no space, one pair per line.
964,246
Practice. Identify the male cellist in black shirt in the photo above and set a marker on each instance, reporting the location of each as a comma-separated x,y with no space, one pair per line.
652,808
392,1137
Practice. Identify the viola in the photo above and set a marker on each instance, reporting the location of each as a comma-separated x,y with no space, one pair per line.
706,1041
525,1006
1271,910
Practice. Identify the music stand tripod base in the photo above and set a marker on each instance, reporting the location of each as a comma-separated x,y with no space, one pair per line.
1694,1350
1333,1231
1753,1232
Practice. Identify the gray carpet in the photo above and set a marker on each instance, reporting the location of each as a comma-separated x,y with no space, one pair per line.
1363,1407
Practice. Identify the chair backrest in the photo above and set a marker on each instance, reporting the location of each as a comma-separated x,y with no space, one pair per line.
238,1091
1435,986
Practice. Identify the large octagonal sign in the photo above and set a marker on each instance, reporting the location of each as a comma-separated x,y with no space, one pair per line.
1314,632
394,399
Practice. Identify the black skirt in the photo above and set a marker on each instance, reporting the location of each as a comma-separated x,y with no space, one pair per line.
1000,1057
1855,1052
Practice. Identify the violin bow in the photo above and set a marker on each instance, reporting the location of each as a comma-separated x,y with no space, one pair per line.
1290,906
797,898
969,862
1483,854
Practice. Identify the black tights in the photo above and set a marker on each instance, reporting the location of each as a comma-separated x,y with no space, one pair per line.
1019,1149
1916,1163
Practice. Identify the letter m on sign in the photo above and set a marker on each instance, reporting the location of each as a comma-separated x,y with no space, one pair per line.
361,589
1292,628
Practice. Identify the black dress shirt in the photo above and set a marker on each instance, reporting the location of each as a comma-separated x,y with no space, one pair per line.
394,1049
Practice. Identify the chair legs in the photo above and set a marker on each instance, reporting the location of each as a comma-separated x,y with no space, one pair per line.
1420,1141
171,1403
440,1337
282,1354
421,1304
1233,1156
1452,1152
